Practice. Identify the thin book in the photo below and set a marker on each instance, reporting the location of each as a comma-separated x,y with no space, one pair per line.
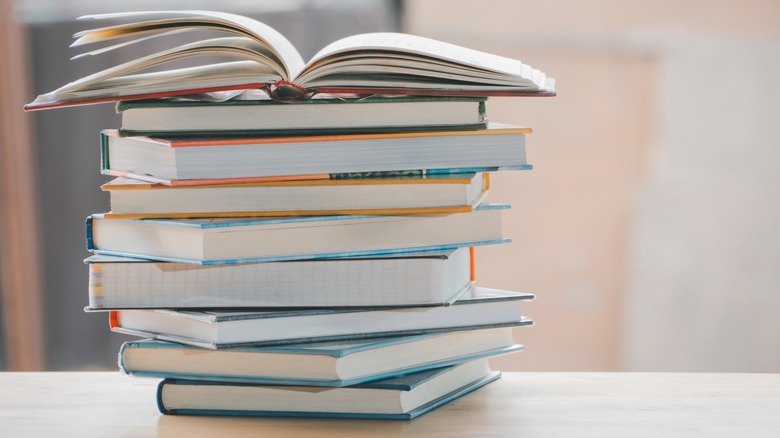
271,158
318,115
400,398
244,240
401,194
328,364
417,279
482,308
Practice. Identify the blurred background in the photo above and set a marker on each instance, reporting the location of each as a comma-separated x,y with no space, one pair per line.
649,228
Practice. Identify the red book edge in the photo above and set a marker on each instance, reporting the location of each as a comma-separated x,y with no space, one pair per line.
333,90
113,319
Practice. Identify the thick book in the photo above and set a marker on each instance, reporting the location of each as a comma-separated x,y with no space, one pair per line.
373,63
342,363
402,397
418,279
413,194
160,117
258,158
243,240
481,308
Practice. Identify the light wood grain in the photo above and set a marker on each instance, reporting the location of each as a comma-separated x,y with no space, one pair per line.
517,405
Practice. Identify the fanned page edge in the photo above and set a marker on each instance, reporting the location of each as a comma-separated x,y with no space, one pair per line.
265,34
236,47
59,98
253,30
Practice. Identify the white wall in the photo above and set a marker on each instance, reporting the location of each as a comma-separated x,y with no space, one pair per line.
649,227
704,287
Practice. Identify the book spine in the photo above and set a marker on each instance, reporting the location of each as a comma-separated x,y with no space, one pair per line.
105,166
159,397
121,357
88,233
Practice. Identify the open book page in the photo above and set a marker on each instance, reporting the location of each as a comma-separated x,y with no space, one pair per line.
425,51
201,79
373,63
164,22
391,72
237,47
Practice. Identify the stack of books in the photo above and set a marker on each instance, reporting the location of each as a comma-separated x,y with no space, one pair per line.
306,249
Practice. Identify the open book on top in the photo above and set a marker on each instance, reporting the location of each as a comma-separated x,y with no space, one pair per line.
373,63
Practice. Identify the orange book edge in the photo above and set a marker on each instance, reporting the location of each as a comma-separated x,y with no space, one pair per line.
113,319
314,181
473,264
386,211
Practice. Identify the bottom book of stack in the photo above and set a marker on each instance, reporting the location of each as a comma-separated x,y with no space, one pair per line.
367,368
401,397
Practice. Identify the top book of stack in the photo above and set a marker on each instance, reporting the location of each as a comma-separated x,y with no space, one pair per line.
366,64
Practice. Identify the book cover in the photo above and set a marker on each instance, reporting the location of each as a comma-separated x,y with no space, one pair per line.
229,241
253,158
403,397
482,308
315,177
413,194
255,117
427,278
341,363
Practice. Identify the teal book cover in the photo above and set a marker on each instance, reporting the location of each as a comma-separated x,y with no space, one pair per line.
212,398
294,238
479,309
301,352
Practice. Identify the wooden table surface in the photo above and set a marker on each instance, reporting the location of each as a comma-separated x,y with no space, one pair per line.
108,404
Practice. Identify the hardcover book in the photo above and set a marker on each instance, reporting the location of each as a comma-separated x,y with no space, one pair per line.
253,158
342,363
482,308
263,116
375,63
229,241
402,397
417,279
412,194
